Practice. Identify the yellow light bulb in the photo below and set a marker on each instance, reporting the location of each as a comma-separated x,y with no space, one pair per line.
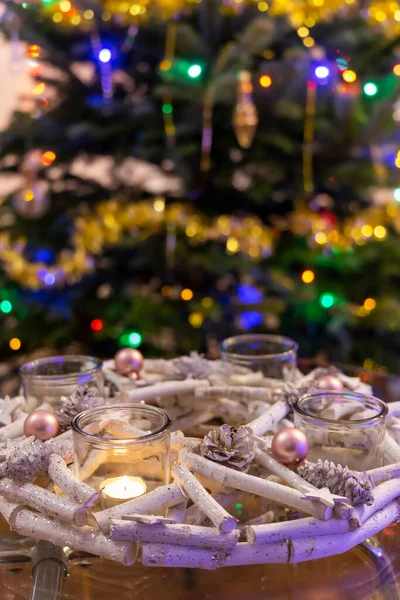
380,232
349,76
186,294
196,319
369,304
321,237
15,344
232,245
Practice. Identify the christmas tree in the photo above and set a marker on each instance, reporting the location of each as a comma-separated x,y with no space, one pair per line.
182,172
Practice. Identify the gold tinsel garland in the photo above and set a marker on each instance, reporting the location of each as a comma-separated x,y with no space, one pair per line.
114,223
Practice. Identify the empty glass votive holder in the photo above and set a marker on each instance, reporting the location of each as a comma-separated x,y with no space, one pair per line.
274,355
123,449
47,379
343,427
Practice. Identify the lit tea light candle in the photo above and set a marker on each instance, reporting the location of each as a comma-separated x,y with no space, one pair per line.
118,489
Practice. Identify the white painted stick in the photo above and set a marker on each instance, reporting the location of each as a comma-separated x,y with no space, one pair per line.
7,508
190,421
383,494
44,501
62,445
241,393
392,449
167,388
26,522
65,480
121,430
384,473
16,428
294,480
195,516
168,555
393,409
177,513
269,419
301,528
337,410
155,501
165,533
255,485
203,500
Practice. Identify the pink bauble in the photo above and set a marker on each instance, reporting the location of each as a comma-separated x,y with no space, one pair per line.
43,424
128,361
289,446
329,383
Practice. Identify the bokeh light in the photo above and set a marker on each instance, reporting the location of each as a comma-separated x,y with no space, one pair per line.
308,276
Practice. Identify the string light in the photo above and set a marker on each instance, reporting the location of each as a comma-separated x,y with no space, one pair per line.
196,319
159,205
367,231
308,42
29,196
194,71
341,64
327,300
5,306
134,339
15,343
48,158
165,65
186,294
167,109
303,32
34,51
321,238
308,276
262,6
105,55
166,290
57,17
321,72
396,194
96,324
39,89
88,14
370,88
396,70
232,245
380,232
349,76
369,304
207,302
265,81
65,6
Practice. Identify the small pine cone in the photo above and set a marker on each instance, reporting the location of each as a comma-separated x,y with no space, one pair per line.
230,446
339,480
70,406
27,462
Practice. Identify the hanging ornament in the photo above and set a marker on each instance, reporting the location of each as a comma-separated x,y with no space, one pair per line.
245,116
32,202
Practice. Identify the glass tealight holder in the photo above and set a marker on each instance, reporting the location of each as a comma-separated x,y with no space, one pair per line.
274,355
47,379
123,450
343,427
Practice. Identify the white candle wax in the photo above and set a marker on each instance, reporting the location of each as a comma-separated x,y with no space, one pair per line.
118,489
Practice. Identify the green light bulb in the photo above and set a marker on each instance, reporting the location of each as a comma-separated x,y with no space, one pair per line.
5,306
370,88
327,300
194,71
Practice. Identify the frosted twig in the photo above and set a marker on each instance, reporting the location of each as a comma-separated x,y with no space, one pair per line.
155,501
177,513
269,419
26,522
175,533
44,501
255,485
167,388
241,393
384,473
203,500
391,448
67,482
